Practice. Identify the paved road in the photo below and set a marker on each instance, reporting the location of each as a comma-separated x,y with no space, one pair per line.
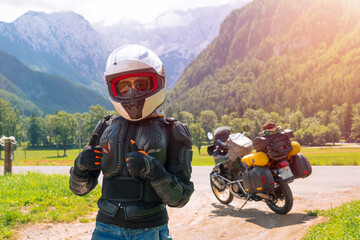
323,177
329,177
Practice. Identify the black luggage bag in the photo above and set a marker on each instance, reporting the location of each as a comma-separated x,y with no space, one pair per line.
280,146
277,146
258,179
300,166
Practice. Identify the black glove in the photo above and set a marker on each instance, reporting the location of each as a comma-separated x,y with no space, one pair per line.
90,158
140,164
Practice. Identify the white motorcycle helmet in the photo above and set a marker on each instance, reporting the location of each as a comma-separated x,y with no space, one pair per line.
136,81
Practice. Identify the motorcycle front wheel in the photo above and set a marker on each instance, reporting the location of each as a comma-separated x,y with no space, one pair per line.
283,198
225,196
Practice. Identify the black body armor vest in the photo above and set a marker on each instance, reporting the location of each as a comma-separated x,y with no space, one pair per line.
126,199
151,137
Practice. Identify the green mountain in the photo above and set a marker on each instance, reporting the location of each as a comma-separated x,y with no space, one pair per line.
35,92
275,54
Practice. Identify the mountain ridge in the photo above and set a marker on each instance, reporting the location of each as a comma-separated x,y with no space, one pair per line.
64,44
41,92
52,43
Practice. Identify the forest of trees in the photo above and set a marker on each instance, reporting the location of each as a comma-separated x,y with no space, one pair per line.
342,123
274,55
57,131
63,130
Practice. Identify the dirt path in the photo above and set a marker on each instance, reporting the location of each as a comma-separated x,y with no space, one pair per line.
205,218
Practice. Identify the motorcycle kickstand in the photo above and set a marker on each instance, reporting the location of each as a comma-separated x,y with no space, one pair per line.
247,199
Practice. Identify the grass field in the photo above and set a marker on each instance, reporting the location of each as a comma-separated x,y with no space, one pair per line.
330,156
342,223
35,197
44,157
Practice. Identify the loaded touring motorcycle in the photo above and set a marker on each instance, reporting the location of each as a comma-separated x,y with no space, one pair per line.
258,176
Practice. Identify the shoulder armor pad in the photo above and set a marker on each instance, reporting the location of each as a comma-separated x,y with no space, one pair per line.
181,133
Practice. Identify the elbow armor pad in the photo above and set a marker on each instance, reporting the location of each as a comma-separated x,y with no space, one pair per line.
180,142
81,186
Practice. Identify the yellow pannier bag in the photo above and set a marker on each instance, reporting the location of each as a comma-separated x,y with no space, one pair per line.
256,159
296,148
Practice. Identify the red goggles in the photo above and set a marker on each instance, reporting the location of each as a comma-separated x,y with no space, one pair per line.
141,82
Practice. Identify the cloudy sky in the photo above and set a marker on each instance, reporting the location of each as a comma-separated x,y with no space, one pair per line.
102,11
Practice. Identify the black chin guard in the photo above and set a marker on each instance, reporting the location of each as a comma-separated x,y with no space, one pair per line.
134,108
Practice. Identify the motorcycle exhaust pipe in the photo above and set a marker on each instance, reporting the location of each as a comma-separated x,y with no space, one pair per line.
264,196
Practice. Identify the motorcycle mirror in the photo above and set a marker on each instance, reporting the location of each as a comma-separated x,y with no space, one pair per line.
246,128
210,136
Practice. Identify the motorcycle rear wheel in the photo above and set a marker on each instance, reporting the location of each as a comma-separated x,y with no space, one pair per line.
283,198
225,196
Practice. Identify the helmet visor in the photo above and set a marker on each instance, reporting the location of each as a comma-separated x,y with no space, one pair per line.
142,83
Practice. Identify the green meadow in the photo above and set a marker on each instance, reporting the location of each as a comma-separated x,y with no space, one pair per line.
44,157
34,197
341,223
323,156
332,156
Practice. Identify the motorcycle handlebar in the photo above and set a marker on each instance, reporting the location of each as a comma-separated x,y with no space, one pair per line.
218,147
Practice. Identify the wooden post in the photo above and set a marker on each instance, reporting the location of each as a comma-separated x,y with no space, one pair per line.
8,160
8,142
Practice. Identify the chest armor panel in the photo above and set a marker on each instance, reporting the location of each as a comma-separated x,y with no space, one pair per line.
149,135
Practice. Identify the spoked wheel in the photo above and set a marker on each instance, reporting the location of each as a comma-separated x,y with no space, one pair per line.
224,196
283,198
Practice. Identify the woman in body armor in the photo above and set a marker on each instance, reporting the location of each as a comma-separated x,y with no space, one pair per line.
144,157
